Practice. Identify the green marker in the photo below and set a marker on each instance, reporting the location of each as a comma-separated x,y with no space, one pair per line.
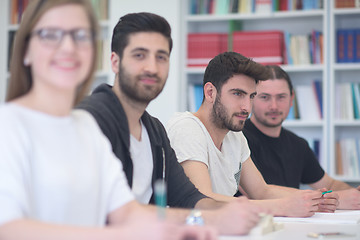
326,192
160,197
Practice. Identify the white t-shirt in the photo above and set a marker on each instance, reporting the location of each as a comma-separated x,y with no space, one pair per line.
141,155
57,169
191,141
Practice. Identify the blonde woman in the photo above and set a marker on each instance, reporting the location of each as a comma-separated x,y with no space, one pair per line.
58,176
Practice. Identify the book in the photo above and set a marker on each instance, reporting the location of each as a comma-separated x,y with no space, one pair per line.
350,45
306,100
266,47
317,85
341,46
195,96
344,3
338,159
263,6
202,47
356,99
357,45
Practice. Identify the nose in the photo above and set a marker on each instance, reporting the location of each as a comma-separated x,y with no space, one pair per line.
68,43
273,103
151,65
247,104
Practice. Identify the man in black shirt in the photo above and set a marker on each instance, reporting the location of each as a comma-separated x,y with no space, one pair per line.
282,157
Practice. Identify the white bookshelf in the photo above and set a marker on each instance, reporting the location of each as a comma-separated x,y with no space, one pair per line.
296,22
339,73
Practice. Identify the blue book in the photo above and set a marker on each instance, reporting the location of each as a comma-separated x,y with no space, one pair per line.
356,99
357,45
199,92
341,46
317,84
350,45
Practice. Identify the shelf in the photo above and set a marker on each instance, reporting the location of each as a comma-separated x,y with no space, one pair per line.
288,68
347,66
347,123
301,123
254,16
346,11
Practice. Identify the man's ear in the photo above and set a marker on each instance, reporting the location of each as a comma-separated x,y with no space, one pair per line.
115,62
209,92
292,98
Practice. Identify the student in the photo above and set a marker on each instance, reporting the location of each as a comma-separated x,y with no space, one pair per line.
58,176
141,46
213,151
282,157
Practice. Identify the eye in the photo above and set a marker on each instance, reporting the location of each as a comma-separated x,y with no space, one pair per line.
82,35
50,34
139,55
263,97
162,58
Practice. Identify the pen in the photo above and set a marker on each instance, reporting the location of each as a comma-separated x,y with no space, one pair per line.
326,192
160,197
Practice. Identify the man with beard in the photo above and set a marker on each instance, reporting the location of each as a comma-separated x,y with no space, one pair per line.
141,46
213,151
282,157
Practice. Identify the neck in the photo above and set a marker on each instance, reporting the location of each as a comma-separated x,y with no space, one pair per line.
133,111
217,135
50,102
269,131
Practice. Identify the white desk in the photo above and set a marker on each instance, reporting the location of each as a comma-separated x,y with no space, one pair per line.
299,231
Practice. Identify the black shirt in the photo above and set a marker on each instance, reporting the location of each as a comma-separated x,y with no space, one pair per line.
286,160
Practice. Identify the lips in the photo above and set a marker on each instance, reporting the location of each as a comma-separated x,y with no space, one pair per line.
66,65
273,114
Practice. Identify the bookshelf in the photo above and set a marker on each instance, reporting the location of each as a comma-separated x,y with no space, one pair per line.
341,128
9,21
297,22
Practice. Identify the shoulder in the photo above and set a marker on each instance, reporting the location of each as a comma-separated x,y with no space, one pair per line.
183,121
291,137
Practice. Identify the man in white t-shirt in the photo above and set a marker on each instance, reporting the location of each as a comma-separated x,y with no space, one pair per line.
213,151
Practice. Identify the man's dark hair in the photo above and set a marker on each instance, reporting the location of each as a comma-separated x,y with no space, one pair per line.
138,22
278,73
227,64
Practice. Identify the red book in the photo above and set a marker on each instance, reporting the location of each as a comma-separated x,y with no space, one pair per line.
266,47
345,3
202,47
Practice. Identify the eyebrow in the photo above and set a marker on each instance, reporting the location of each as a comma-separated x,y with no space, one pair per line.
147,50
241,91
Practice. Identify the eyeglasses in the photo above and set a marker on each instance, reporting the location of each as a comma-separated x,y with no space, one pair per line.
52,37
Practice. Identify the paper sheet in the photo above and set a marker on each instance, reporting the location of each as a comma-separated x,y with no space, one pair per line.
338,217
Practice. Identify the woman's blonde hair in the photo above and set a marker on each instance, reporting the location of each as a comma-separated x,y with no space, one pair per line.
20,79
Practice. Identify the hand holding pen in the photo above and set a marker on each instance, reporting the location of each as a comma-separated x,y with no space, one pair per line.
329,201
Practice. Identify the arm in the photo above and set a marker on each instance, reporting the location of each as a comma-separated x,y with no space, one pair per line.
349,197
28,229
282,201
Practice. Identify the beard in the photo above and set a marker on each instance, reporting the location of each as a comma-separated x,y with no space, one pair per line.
267,123
129,85
222,120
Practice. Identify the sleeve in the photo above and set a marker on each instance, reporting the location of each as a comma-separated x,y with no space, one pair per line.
189,141
181,191
312,172
14,171
245,150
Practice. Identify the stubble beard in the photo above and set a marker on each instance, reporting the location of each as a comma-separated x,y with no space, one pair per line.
219,116
129,87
